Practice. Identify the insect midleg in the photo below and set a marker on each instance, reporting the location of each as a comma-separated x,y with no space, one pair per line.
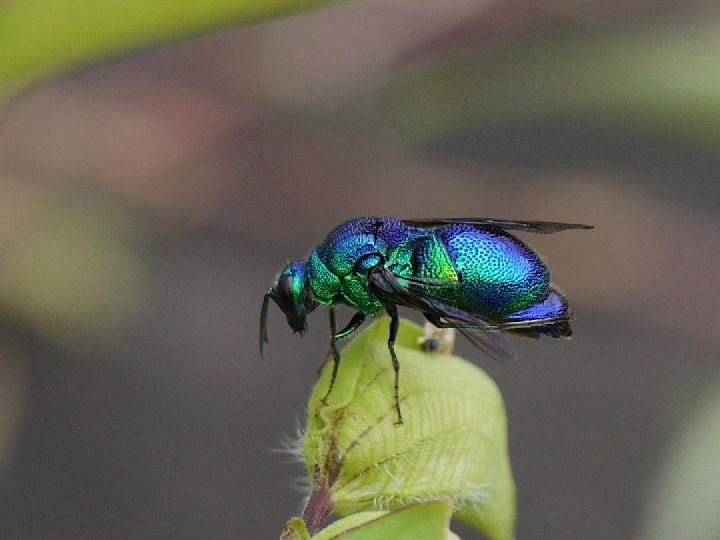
353,325
394,325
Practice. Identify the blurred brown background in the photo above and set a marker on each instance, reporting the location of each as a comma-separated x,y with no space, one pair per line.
148,203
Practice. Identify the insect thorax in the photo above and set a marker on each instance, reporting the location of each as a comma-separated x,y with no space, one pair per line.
324,283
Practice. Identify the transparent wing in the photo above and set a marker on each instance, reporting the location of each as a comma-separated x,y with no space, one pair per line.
539,227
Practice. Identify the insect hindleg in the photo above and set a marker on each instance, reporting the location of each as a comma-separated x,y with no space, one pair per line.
353,325
394,325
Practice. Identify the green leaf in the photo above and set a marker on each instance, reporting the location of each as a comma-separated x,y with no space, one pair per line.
418,522
453,446
40,38
347,523
295,529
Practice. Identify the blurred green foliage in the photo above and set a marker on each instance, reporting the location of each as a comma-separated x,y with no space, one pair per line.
41,38
75,272
660,75
685,500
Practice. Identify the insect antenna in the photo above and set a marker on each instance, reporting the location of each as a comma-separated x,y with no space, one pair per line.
263,321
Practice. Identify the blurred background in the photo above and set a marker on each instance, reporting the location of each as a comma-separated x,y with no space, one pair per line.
147,204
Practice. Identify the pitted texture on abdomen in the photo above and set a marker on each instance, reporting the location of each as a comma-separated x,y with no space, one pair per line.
499,275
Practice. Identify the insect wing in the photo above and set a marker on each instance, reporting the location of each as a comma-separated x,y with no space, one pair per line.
405,291
533,328
494,344
539,227
416,293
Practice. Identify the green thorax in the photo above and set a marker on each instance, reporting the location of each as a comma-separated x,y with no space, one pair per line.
353,288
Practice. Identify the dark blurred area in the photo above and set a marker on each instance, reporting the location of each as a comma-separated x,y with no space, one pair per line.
148,203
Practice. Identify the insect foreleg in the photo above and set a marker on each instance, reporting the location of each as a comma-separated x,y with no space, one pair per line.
353,325
394,325
333,331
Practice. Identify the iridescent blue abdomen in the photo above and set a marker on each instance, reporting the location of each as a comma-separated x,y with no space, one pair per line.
497,274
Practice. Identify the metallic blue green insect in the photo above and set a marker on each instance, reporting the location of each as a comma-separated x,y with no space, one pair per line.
468,274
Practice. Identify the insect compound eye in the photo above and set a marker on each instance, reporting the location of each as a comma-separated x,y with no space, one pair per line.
368,262
284,294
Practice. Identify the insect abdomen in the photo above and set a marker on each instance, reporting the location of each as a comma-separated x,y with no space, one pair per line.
553,306
499,275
